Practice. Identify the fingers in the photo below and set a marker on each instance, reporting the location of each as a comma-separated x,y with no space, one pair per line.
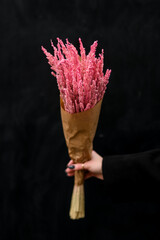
69,171
71,168
78,166
71,174
70,163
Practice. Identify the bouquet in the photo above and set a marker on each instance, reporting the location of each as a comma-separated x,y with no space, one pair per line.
82,85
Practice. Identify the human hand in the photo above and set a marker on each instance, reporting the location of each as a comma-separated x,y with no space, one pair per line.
93,167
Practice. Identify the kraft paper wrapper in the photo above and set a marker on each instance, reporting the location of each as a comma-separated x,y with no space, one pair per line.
79,131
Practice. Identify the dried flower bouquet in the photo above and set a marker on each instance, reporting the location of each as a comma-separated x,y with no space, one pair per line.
82,85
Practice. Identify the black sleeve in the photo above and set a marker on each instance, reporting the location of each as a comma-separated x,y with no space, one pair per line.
139,168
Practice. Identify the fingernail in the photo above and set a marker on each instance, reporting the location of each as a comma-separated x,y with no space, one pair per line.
71,167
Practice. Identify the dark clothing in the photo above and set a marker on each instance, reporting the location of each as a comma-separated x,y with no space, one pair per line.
137,169
132,184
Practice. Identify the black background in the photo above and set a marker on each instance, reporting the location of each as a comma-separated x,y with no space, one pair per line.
35,192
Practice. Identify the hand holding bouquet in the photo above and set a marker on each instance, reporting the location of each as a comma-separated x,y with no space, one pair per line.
82,85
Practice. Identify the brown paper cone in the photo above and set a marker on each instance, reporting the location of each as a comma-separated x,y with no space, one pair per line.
79,131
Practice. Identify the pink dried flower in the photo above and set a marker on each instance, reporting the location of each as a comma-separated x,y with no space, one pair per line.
80,79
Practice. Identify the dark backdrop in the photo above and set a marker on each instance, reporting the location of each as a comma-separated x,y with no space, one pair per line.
35,192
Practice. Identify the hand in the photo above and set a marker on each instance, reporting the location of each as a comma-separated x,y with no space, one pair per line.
92,167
